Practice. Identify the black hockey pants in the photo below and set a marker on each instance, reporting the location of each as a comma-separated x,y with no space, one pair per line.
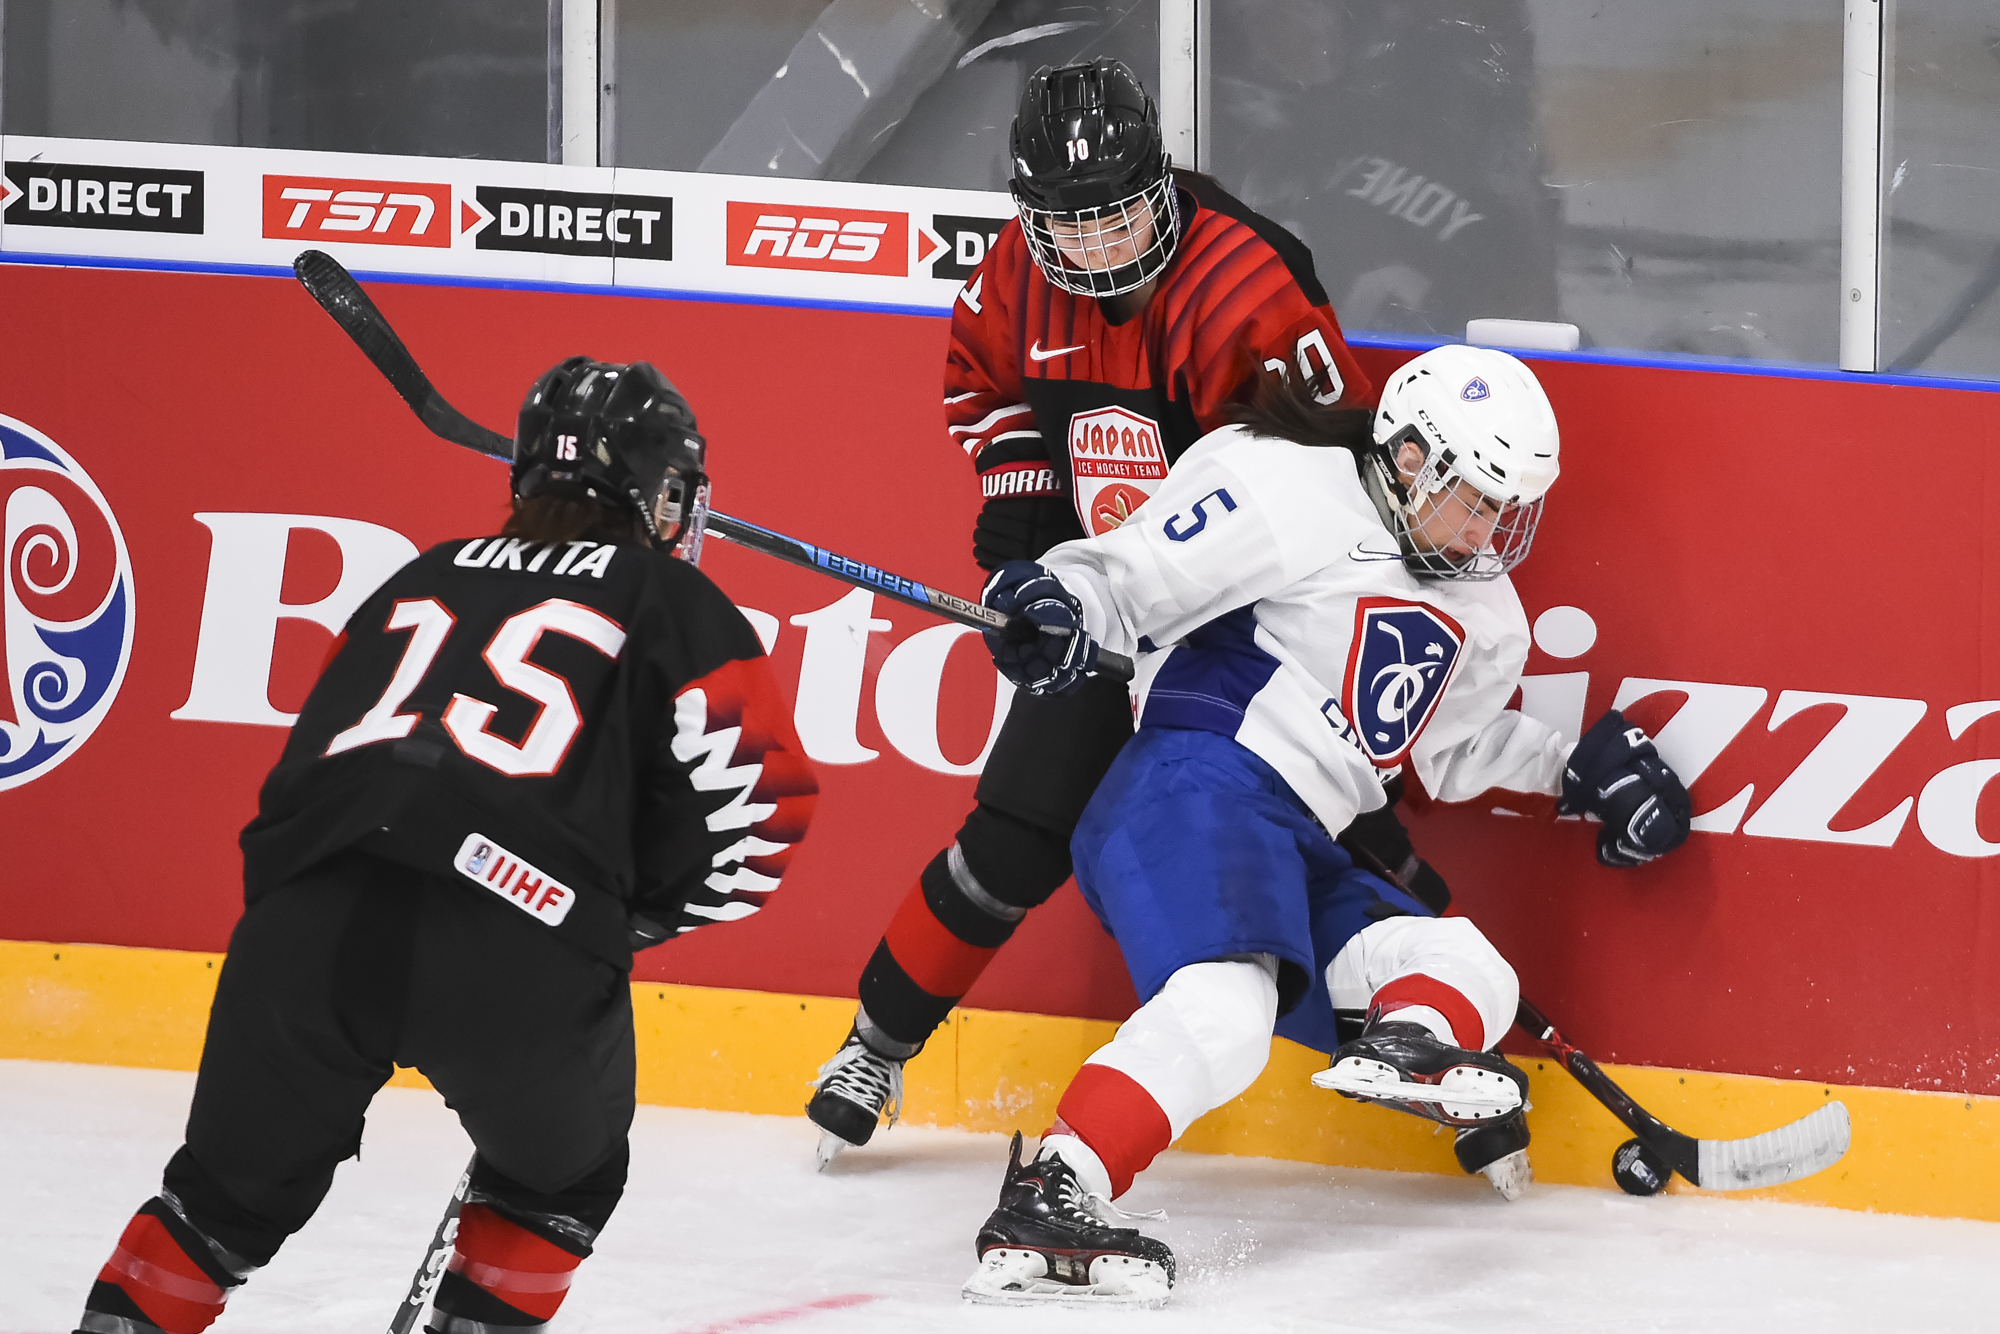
360,965
1012,854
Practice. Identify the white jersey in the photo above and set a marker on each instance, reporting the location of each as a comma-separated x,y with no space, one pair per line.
1269,603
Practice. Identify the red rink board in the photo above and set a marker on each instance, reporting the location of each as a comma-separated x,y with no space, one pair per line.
1764,533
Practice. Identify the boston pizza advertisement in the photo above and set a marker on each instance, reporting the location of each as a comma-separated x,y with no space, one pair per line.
200,479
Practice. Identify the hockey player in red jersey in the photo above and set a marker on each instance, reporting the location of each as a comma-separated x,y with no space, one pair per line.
529,755
1113,324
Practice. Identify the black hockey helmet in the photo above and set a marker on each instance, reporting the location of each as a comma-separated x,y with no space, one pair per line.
1089,159
622,435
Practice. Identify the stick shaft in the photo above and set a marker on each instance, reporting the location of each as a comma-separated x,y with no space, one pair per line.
334,288
950,606
424,1282
1680,1152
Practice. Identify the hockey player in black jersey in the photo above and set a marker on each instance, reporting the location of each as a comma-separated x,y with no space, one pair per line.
529,754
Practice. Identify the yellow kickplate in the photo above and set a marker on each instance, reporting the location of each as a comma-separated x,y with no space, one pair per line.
753,1051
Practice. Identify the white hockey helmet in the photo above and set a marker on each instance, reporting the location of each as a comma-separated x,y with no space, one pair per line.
1480,417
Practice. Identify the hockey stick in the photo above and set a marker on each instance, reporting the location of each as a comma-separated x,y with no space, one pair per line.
1810,1144
424,1282
334,288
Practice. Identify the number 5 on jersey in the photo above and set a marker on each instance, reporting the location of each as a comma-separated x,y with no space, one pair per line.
539,753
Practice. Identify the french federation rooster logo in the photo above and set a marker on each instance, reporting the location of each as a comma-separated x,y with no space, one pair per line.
65,605
1397,669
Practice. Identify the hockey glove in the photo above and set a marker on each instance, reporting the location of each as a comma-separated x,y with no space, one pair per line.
643,933
1053,658
1021,528
1616,774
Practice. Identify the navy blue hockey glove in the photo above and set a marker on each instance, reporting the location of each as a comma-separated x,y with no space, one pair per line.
1616,774
1041,663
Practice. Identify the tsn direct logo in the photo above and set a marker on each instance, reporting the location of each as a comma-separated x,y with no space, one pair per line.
829,240
320,208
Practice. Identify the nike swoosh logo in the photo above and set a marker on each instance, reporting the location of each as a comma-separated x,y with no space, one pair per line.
1361,552
1035,352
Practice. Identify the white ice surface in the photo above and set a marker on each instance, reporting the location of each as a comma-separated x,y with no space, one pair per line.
726,1227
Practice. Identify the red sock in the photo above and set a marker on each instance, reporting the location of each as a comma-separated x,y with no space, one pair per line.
1467,1028
510,1263
934,958
1112,1113
161,1278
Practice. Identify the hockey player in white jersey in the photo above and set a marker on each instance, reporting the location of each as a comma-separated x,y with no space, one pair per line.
1311,618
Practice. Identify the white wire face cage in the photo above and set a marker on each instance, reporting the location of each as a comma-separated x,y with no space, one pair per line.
1435,485
1088,267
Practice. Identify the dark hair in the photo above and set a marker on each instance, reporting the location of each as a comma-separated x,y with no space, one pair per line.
559,514
1285,409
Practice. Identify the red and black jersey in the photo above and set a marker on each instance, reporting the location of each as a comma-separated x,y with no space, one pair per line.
1048,397
590,732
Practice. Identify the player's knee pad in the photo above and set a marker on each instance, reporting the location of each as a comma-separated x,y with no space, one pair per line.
165,1275
1203,1039
1018,863
509,1271
962,904
569,1211
1444,963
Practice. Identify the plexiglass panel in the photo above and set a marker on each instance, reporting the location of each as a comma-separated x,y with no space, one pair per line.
1665,176
1941,247
447,78
871,90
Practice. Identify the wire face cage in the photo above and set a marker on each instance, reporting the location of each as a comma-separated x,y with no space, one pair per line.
1106,250
1447,512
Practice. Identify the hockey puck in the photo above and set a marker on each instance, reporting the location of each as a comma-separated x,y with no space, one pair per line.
1638,1170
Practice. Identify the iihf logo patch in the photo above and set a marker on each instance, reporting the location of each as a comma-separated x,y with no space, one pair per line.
1397,668
1475,389
65,605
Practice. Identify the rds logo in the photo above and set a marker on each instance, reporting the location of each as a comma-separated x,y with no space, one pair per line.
65,605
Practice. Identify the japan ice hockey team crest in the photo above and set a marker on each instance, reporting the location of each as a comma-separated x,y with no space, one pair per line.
1397,668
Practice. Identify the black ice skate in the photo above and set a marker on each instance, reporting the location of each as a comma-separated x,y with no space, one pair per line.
1401,1065
850,1094
1047,1243
1498,1151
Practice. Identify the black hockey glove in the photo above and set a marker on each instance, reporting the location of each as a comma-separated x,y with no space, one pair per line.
1616,774
1052,659
644,933
1021,528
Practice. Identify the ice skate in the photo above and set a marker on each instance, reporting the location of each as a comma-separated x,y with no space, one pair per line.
1498,1151
851,1093
1049,1243
1402,1065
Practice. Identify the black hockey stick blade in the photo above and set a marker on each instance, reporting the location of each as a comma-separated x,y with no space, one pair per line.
1791,1152
424,1282
341,297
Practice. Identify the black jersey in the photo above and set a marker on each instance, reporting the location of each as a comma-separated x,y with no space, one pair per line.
590,732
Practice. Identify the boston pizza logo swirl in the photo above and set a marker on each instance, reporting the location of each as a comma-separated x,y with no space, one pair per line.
65,605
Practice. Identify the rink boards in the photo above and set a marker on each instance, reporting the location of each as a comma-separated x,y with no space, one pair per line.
1785,572
996,1070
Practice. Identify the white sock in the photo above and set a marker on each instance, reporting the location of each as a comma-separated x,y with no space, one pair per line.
1439,1026
1082,1159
